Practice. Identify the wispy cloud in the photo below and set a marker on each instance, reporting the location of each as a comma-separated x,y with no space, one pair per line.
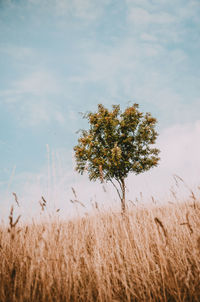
140,16
86,11
180,147
16,52
163,21
31,98
38,112
39,83
89,10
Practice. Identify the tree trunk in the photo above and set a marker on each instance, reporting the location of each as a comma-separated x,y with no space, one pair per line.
123,201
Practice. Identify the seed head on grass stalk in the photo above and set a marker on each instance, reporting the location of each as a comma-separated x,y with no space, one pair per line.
161,226
116,144
43,203
12,223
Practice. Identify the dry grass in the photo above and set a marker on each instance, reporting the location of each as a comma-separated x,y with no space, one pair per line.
148,255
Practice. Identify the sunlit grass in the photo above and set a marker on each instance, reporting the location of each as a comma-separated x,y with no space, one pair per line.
149,254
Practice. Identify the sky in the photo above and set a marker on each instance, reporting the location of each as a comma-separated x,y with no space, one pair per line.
59,58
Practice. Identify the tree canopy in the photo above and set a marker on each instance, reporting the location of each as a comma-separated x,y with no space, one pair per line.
116,144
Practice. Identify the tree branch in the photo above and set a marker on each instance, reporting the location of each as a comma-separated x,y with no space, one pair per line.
116,188
120,184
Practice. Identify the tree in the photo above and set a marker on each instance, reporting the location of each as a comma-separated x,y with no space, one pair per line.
116,144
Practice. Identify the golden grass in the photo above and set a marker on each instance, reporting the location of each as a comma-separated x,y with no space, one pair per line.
146,255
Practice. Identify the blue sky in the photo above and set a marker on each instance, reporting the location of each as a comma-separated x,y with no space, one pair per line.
62,57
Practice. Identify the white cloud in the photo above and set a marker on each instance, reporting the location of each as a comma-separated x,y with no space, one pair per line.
122,71
110,65
180,149
140,16
34,113
148,38
87,10
134,70
19,53
137,2
189,11
162,20
38,83
73,115
59,117
177,56
31,97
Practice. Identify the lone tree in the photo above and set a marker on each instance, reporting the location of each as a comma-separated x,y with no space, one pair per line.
115,144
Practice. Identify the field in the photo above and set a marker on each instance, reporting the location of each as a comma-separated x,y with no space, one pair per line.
148,254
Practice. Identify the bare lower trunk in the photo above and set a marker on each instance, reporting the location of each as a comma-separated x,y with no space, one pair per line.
121,192
123,202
